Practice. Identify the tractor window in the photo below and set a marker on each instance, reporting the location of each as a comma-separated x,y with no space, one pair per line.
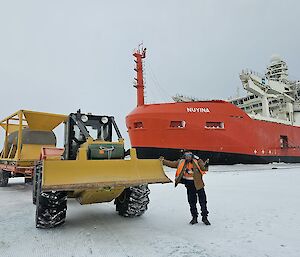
100,132
93,132
76,132
104,132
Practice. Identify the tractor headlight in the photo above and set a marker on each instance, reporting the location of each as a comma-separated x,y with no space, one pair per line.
84,118
104,120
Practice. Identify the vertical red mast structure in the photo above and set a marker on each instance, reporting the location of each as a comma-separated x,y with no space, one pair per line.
139,55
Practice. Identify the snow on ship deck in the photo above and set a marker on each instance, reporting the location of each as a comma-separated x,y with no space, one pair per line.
254,211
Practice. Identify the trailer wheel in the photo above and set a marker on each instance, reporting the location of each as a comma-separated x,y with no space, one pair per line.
28,181
4,176
133,201
51,207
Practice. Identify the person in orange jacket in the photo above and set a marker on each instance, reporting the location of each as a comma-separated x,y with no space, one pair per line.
190,172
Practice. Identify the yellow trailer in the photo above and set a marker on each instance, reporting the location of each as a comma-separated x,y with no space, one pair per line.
26,132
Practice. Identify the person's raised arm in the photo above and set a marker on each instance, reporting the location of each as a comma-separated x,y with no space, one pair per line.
203,165
171,164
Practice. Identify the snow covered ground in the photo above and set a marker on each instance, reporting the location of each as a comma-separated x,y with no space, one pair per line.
254,211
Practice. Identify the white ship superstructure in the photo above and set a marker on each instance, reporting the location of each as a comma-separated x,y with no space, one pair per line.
271,97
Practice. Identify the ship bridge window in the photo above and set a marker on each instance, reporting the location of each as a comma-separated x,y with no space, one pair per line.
177,124
214,125
138,125
284,143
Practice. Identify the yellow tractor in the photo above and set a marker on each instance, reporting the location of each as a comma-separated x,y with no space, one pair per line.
93,168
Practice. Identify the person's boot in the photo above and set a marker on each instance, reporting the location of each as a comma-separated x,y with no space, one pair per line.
205,220
194,220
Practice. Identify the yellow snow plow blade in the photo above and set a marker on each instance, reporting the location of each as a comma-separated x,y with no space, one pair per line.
72,175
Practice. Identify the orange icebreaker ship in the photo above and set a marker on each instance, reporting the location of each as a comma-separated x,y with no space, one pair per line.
261,127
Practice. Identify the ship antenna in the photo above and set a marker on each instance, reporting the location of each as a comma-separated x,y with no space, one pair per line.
139,55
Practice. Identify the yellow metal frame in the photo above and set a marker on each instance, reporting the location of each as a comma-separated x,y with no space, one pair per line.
72,175
40,121
97,195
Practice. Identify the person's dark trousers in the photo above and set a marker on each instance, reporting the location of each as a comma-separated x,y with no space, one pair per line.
192,198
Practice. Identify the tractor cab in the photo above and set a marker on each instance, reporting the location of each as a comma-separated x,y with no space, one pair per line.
90,137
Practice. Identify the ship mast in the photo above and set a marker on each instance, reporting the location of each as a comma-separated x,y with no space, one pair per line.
139,55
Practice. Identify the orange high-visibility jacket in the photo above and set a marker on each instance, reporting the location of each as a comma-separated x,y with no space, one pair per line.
198,172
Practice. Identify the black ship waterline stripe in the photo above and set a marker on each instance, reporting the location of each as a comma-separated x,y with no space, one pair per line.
220,158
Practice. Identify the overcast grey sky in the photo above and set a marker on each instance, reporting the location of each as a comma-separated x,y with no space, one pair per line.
61,55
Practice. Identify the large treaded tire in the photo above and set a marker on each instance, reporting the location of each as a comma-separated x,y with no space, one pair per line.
51,207
133,201
4,176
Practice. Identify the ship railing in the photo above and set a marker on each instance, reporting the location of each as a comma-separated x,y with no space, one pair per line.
250,72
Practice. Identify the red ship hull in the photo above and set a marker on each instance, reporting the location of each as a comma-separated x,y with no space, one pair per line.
212,129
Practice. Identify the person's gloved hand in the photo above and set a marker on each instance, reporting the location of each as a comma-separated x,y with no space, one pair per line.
206,163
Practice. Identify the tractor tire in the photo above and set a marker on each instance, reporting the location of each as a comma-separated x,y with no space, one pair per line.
133,201
51,207
4,176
